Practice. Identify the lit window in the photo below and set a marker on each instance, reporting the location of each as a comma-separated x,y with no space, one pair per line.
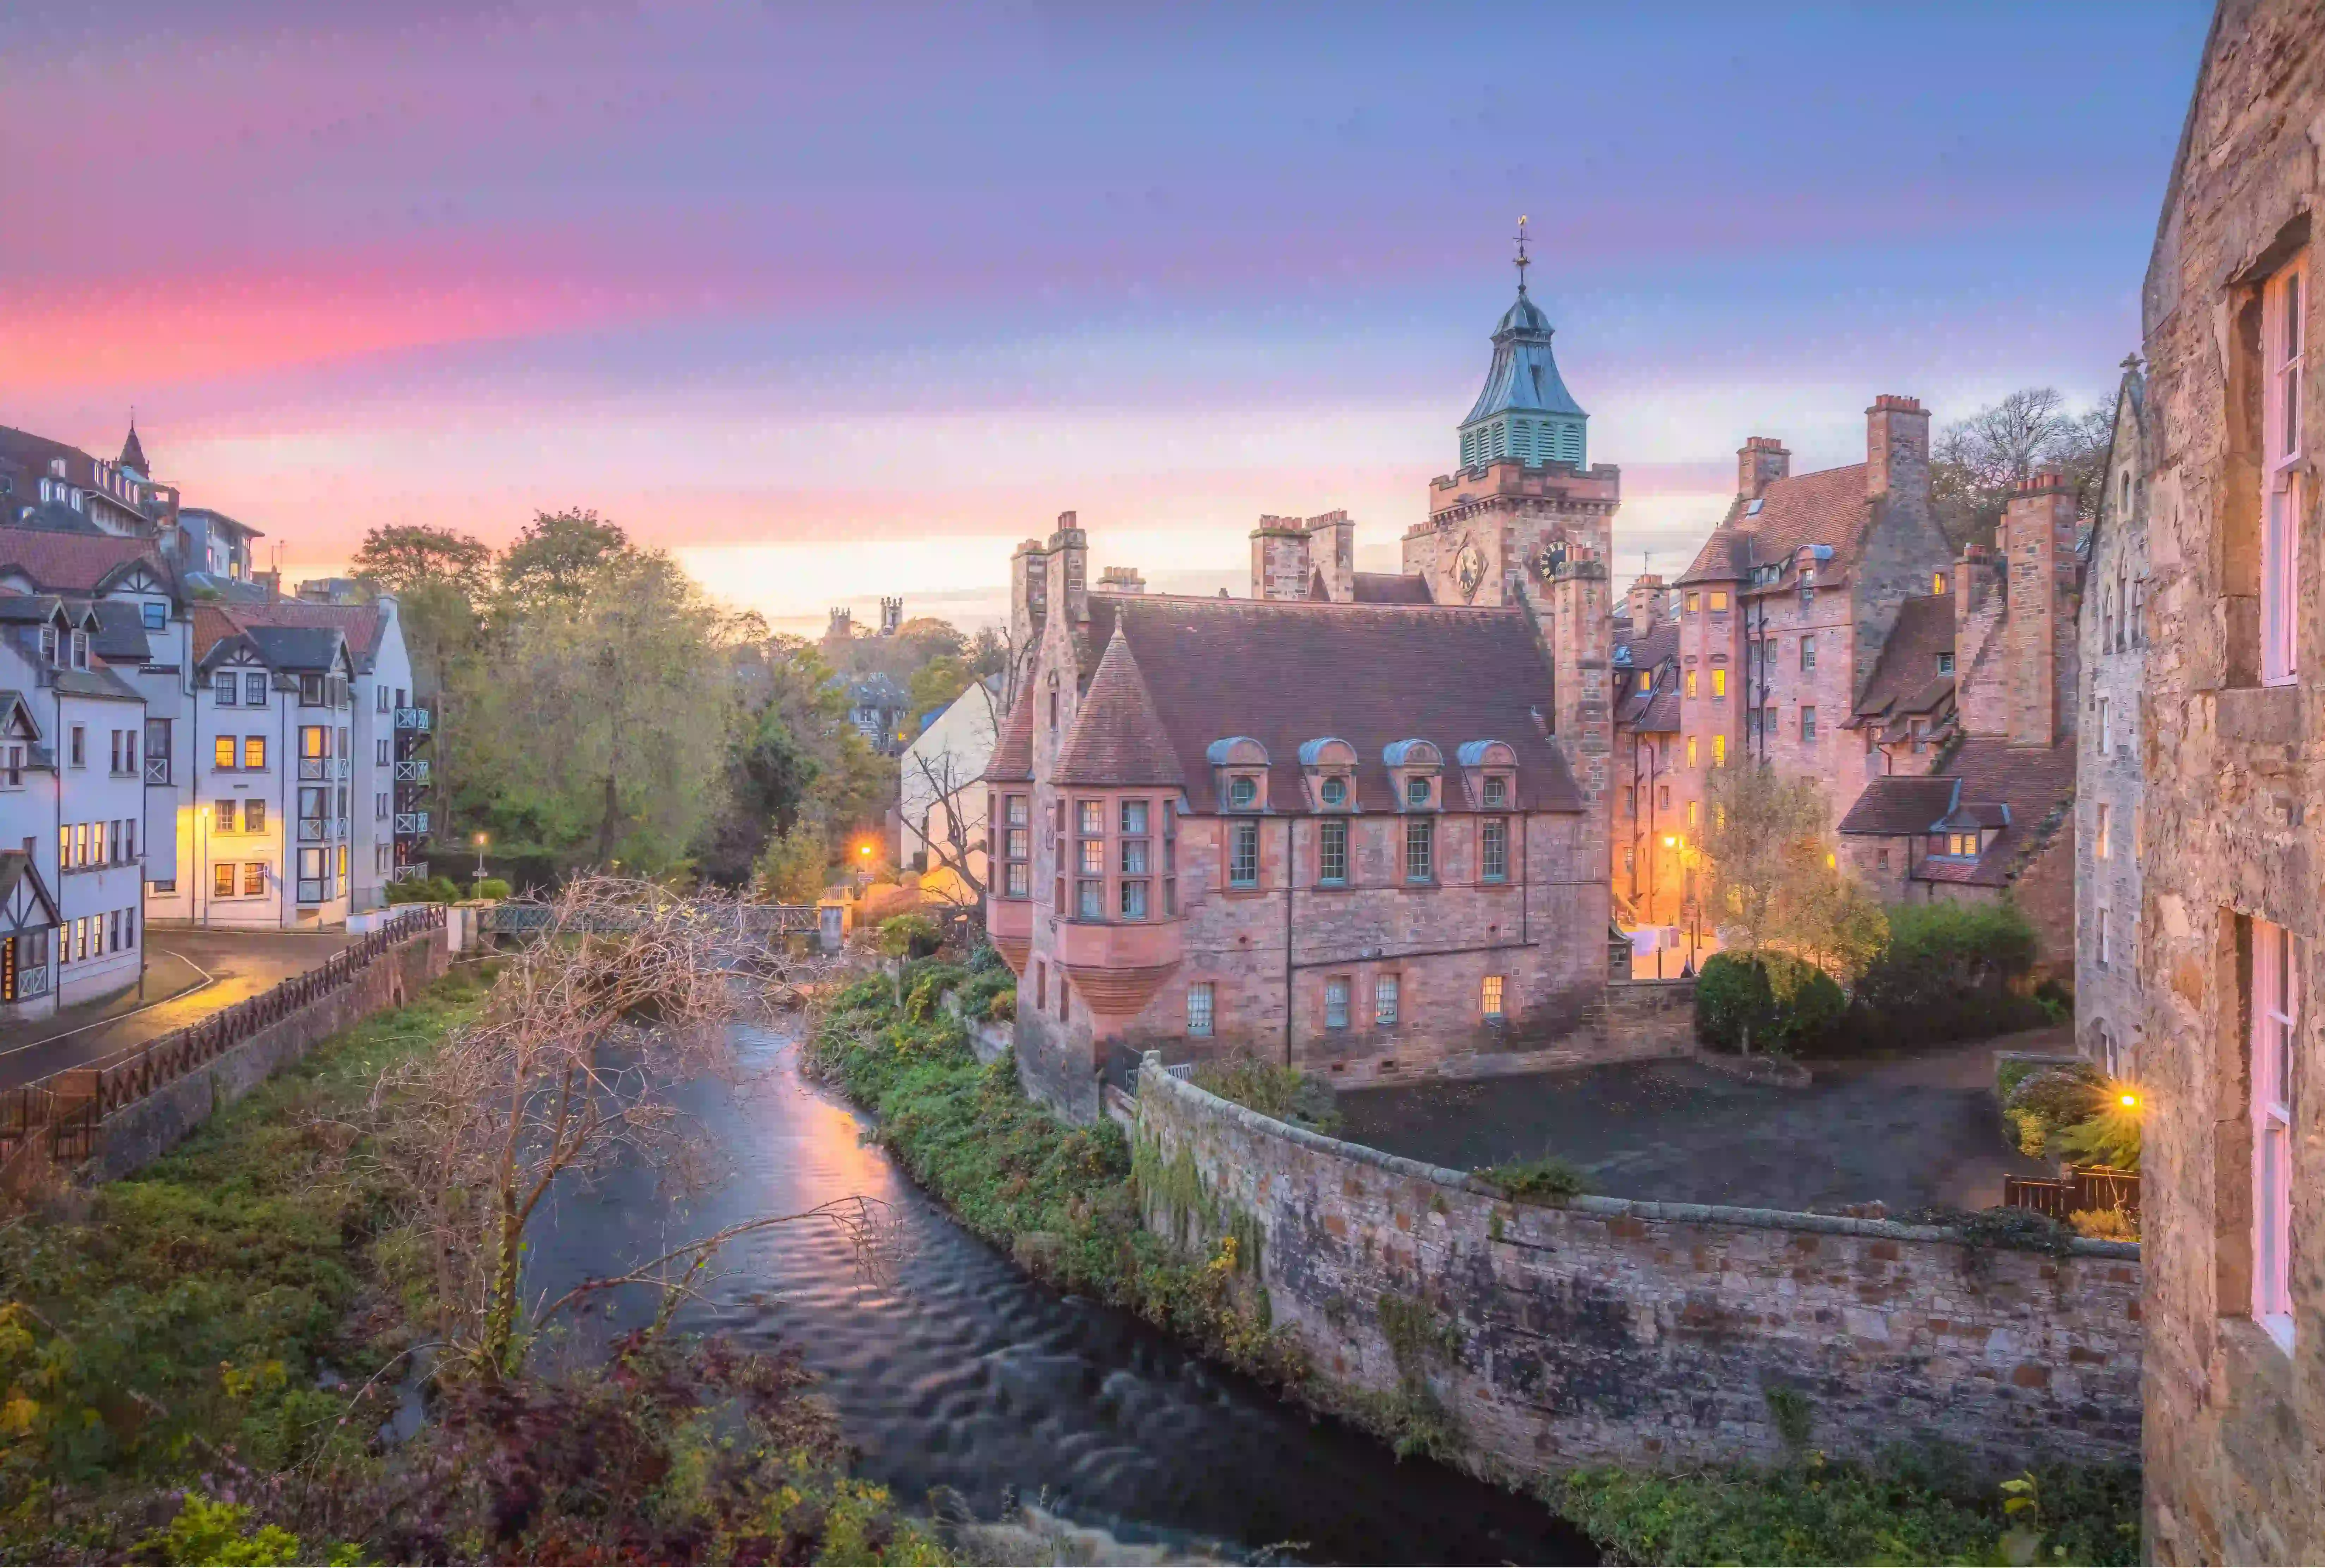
1691,683
1243,856
1718,601
1719,751
1336,1004
223,752
253,877
1332,853
1490,1002
1198,1009
1420,847
1693,817
1937,582
1384,1000
222,880
1493,849
1694,603
2282,306
1720,682
253,750
1690,748
1093,857
2275,994
1093,817
224,821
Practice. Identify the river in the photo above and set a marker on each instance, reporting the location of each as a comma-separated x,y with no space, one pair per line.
955,1371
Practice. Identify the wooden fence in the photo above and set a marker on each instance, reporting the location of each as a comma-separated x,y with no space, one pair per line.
2083,1188
67,1107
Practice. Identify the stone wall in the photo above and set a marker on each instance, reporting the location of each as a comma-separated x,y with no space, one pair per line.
1645,1334
145,1130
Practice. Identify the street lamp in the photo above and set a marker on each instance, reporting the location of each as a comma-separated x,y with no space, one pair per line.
480,854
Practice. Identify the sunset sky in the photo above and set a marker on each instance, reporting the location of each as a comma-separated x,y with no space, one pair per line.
842,302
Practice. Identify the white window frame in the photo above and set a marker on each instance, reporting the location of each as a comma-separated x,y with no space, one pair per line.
2284,301
1202,1010
2276,1006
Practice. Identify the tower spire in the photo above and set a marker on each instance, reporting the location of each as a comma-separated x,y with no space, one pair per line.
1523,263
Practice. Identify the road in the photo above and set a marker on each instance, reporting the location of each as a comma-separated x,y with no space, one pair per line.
188,975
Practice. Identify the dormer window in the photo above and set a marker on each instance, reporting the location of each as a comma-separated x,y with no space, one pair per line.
1334,792
1240,775
49,645
1945,664
1243,793
224,686
1328,769
1498,790
1414,769
79,648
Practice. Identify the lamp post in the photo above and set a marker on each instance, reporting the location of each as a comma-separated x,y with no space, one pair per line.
480,854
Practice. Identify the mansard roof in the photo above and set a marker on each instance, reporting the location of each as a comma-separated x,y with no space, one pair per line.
1284,672
1117,738
1829,507
71,563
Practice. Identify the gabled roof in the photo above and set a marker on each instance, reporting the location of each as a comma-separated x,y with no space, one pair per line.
1391,589
121,635
17,870
1898,804
1989,783
360,625
1117,738
307,649
1905,678
1012,762
1829,507
66,563
1287,672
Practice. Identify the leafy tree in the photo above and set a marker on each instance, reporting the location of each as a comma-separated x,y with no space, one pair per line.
935,685
924,637
988,653
557,559
790,870
402,557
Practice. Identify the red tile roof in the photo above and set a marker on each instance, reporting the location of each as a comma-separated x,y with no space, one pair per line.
1827,508
212,626
1905,678
358,624
1117,738
72,563
1284,673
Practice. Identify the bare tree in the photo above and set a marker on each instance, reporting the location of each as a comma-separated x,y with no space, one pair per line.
1975,462
567,1073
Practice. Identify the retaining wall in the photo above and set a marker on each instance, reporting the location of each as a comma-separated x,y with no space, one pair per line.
1637,1333
150,1126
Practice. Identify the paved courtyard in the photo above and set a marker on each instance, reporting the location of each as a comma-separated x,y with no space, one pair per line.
1910,1132
188,975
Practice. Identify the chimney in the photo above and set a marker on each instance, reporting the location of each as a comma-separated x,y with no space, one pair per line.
1759,460
1897,451
1279,567
1072,545
1121,580
1332,553
1644,602
2038,545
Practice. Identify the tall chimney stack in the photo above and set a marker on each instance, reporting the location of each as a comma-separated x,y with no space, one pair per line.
1760,460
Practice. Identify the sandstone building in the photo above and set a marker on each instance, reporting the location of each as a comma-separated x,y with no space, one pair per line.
2233,840
1646,686
2109,1000
1356,822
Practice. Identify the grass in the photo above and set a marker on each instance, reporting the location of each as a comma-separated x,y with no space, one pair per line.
1060,1199
195,1364
1537,1180
1910,1507
1283,1092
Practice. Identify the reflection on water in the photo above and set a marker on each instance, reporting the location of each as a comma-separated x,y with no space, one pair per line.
955,1371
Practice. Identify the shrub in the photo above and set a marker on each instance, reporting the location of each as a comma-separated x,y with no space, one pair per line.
2104,1225
489,887
1737,1006
2045,1103
429,890
986,960
1285,1093
1002,1008
2109,1137
1539,1178
1951,972
909,935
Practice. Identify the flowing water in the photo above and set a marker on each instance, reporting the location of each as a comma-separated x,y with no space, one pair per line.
955,1371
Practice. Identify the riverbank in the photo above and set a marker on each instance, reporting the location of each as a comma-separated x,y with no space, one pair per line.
1064,1202
231,1358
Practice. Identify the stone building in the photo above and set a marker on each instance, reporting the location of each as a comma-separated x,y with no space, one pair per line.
1356,822
1969,726
2232,837
1787,607
1645,667
2109,1004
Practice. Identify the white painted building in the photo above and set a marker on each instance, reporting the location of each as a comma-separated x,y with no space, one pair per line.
941,798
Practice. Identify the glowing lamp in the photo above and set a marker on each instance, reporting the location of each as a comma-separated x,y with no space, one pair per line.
1669,842
2130,1101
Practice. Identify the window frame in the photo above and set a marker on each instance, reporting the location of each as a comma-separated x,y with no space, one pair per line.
1493,998
2274,1006
1243,836
1493,849
2284,304
1337,992
1332,853
1421,835
1388,1000
1202,1010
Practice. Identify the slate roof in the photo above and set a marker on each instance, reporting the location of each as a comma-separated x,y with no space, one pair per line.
55,517
1012,762
1905,678
360,625
121,632
1523,376
95,681
1828,507
133,452
1287,672
1117,738
1898,804
1984,776
1391,589
65,563
28,609
301,647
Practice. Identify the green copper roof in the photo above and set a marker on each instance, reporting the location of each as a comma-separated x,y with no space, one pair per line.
1524,375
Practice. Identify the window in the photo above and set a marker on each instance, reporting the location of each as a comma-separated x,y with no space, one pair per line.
48,644
1937,582
1881,859
1718,601
1719,751
155,616
1242,856
254,688
1384,1000
1693,817
79,746
1334,791
1808,724
1090,900
253,877
1332,854
1198,1010
381,693
343,863
2106,731
1663,804
81,843
1493,849
1490,1001
1134,817
379,752
1133,857
1694,603
253,750
1092,814
222,880
1420,847
1336,1002
222,820
2276,956
1093,857
1041,984
1720,682
1690,749
2282,307
115,736
254,816
1018,811
224,686
2099,924
80,650
312,691
1134,900
1242,793
1945,664
11,767
2099,839
1808,651
1691,683
314,741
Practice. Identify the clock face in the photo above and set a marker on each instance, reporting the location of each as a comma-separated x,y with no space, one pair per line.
1469,568
1552,557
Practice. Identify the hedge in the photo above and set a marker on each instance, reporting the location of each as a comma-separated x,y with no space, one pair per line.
1950,972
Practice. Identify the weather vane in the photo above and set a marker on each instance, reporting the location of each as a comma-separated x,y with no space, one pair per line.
1523,263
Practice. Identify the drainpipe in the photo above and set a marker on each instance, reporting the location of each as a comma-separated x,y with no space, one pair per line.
1287,942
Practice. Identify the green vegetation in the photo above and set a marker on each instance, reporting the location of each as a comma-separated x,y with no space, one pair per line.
1950,971
1773,1002
2069,1111
1912,1507
1286,1093
194,1363
438,889
1064,1201
912,936
1541,1180
488,888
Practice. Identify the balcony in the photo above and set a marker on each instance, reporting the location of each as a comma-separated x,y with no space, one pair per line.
418,719
321,829
412,770
31,982
410,824
409,872
314,768
157,768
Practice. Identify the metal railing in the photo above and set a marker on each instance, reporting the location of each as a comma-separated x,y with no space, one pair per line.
413,771
157,768
33,982
2084,1187
314,768
409,872
420,719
